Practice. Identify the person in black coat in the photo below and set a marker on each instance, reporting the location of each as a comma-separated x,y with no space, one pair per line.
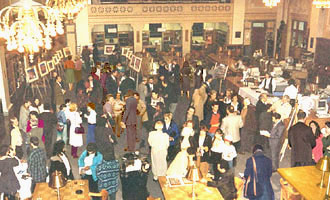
129,120
111,83
50,121
301,141
57,161
204,143
104,136
264,171
126,84
261,105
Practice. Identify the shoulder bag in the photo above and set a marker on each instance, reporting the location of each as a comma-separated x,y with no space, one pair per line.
79,130
252,188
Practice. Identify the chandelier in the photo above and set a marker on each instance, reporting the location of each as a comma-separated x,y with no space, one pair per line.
28,26
67,8
271,3
321,3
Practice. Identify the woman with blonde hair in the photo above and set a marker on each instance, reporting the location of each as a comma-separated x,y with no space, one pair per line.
76,140
159,142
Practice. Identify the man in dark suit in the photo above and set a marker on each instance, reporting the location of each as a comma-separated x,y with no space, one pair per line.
111,83
129,120
126,84
301,141
204,143
275,140
58,92
261,105
150,86
50,121
104,136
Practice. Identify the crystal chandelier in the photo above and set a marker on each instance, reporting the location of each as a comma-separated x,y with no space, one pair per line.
28,26
67,8
271,3
321,3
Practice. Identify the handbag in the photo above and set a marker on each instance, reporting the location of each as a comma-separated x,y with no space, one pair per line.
59,127
79,130
253,189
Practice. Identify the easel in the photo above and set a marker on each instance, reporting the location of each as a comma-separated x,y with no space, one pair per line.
219,71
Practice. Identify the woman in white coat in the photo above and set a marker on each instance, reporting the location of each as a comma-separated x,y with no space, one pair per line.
76,140
159,142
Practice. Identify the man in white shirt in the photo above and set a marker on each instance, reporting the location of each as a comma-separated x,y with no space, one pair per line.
91,119
268,84
291,91
231,125
282,107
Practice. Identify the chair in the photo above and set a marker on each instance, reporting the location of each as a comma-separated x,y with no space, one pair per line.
288,192
103,194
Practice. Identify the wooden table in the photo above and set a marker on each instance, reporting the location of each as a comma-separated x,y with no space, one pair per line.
305,180
43,192
182,192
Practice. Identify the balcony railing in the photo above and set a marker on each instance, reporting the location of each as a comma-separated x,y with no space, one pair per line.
160,1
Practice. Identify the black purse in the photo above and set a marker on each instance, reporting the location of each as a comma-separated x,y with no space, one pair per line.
253,189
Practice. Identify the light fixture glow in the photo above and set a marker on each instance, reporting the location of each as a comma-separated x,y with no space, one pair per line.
321,3
67,8
271,3
28,25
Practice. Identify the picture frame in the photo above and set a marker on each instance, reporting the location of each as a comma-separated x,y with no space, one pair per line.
108,49
132,62
137,64
67,52
124,51
31,74
56,60
60,54
129,54
43,68
50,65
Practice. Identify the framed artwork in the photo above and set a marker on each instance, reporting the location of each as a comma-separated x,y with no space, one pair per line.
67,52
43,68
129,54
60,54
137,64
50,65
31,74
108,49
55,59
132,62
124,51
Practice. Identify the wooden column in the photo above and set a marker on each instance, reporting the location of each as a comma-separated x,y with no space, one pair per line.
186,37
137,28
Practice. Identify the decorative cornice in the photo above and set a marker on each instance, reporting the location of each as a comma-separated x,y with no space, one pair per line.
156,10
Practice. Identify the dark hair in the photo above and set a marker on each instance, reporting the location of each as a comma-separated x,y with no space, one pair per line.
160,104
69,57
215,104
137,94
318,130
291,82
154,91
301,115
46,106
4,150
208,77
91,147
108,156
257,147
231,109
34,140
67,101
276,115
127,73
62,106
129,93
58,147
192,108
34,113
327,124
204,128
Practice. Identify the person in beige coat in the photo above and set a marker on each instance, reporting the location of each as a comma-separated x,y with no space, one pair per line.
142,115
159,142
231,125
198,100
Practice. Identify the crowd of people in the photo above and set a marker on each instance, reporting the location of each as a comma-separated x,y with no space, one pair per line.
215,130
